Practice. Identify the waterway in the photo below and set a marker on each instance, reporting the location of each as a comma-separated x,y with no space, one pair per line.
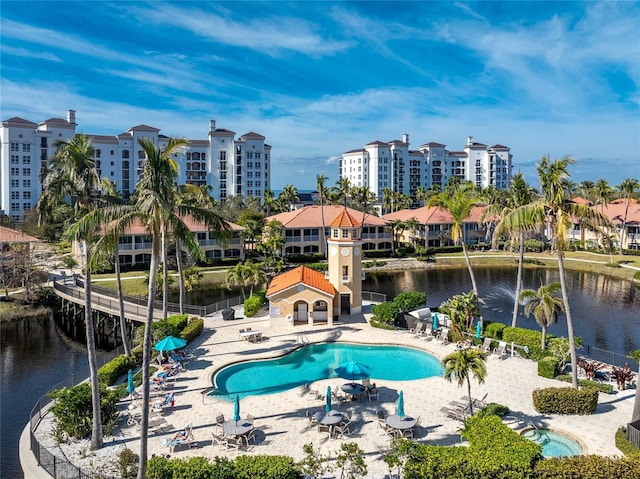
35,356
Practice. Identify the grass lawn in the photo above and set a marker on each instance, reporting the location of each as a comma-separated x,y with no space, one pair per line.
10,311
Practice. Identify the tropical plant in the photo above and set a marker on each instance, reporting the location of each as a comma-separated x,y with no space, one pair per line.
462,309
245,274
72,174
544,306
192,278
314,464
590,367
459,202
462,364
627,189
554,209
396,228
272,240
322,192
350,461
621,375
288,195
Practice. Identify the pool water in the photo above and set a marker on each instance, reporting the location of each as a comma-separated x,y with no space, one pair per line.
319,361
554,444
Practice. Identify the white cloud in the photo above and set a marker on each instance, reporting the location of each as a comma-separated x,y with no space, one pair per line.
24,53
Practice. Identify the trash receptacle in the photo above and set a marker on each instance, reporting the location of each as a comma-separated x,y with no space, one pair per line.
228,314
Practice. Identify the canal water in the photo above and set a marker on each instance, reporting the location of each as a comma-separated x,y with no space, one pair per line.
35,356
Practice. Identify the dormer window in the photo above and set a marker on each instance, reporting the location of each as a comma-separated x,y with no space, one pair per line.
345,234
334,233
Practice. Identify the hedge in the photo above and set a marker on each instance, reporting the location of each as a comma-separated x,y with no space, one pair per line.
111,371
565,400
273,467
529,338
586,383
494,330
193,329
589,467
547,367
254,302
624,445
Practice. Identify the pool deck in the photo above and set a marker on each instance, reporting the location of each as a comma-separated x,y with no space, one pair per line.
280,418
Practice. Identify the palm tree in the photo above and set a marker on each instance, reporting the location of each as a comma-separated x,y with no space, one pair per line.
413,225
586,188
289,195
556,210
72,174
387,200
460,365
342,190
520,194
627,189
543,305
459,202
635,416
269,200
322,190
396,227
245,274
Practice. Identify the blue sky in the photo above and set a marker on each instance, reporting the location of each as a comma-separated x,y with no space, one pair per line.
321,78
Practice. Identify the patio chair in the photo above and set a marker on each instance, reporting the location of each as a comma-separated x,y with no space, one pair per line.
217,440
366,383
382,422
188,439
453,413
312,420
419,328
501,350
342,429
250,418
232,442
428,334
444,335
338,396
251,435
374,393
219,422
486,345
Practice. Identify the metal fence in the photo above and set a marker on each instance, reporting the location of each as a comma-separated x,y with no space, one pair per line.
608,357
633,433
374,297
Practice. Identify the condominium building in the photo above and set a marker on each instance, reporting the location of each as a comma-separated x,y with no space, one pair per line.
379,165
231,166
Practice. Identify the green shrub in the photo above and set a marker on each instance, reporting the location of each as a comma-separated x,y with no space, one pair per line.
178,321
547,367
410,300
305,258
193,329
529,338
137,354
73,412
625,446
374,323
273,467
494,329
588,467
565,400
385,312
127,464
318,266
495,409
158,467
254,302
111,371
586,383
533,245
636,275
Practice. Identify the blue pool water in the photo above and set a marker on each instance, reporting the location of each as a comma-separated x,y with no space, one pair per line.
319,361
554,444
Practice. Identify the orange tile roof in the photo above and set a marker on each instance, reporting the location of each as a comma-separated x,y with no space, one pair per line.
345,220
137,228
433,215
301,274
615,211
7,235
311,216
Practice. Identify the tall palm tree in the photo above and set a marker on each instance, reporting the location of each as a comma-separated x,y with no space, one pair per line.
519,194
544,306
269,200
556,210
245,274
387,200
627,189
342,190
289,195
396,228
459,202
461,365
72,174
322,190
587,189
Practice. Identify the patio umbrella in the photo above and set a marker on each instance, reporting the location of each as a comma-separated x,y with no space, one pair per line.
328,406
236,409
130,385
478,329
435,321
170,343
353,370
400,404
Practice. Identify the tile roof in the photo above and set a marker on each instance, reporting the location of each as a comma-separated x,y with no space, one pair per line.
253,135
144,127
16,120
434,144
137,228
616,209
344,220
434,215
301,274
311,216
377,143
7,235
499,147
358,150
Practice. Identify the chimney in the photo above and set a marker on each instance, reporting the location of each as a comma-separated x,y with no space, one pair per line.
71,116
469,140
405,138
212,125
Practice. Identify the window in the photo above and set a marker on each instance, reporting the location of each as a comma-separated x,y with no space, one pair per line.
249,163
249,155
125,154
26,206
26,171
15,206
15,159
15,171
15,195
15,183
26,160
26,195
25,183
15,146
334,233
345,233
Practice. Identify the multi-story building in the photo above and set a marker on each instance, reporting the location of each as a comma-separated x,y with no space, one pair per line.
231,166
393,165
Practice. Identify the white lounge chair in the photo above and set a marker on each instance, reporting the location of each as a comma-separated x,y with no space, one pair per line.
501,350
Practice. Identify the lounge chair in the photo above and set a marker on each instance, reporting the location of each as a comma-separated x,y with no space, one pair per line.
453,413
444,335
188,439
419,328
312,420
486,345
501,350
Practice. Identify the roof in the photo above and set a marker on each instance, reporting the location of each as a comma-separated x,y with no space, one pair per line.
616,210
378,143
17,120
300,275
7,235
499,147
252,135
137,228
434,215
358,150
144,127
433,144
311,216
345,220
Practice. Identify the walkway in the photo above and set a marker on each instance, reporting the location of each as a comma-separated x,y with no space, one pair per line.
280,418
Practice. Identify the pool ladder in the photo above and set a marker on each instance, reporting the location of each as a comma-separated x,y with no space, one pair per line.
302,339
541,437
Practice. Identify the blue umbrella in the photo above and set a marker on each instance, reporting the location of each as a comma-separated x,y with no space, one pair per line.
236,409
435,321
478,329
353,370
400,404
170,343
328,406
130,385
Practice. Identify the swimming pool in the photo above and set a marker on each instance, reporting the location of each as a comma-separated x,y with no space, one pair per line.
319,361
554,443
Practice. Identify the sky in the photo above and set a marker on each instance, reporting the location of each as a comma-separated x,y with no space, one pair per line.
319,78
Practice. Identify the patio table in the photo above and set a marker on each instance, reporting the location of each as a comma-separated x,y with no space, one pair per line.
354,389
330,418
401,422
236,428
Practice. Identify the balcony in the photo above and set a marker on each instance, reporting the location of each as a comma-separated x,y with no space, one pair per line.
345,278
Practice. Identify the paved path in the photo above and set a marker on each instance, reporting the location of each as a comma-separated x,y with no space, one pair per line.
283,427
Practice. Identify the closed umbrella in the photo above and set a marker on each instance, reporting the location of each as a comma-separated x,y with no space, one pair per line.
328,405
478,330
353,370
401,404
436,325
236,409
130,385
170,343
